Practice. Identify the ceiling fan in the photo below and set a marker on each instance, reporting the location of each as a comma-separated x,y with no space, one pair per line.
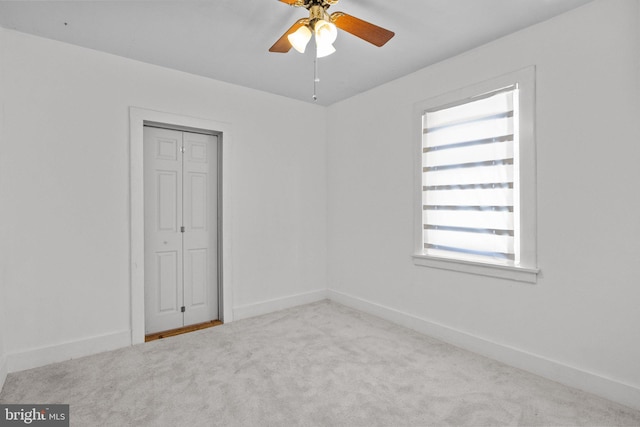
323,26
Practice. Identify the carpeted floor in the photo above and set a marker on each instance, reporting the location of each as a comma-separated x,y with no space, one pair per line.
321,364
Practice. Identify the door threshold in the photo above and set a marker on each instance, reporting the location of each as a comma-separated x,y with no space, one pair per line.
183,330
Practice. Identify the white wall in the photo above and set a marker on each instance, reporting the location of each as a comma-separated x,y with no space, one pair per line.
3,353
579,323
64,168
3,300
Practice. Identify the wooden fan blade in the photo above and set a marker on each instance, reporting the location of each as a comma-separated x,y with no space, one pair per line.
363,29
283,45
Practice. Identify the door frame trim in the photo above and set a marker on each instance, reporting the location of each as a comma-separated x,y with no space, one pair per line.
137,118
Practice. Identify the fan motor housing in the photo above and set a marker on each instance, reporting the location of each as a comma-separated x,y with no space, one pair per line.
317,13
311,3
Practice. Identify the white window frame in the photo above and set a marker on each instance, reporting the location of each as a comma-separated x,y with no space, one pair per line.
526,270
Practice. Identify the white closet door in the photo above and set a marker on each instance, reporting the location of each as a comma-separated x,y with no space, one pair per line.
163,240
181,228
200,222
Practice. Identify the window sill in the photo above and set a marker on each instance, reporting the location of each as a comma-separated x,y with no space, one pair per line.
520,274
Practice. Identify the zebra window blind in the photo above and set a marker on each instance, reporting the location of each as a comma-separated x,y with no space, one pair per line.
469,178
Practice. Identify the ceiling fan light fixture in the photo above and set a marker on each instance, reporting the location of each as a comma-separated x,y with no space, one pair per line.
326,32
300,38
323,50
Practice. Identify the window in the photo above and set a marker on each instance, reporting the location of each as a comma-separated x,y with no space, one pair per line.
477,179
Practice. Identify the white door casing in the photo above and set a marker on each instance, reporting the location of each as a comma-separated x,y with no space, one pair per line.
138,117
180,244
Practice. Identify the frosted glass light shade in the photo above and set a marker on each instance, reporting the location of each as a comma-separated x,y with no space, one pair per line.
326,32
324,50
300,38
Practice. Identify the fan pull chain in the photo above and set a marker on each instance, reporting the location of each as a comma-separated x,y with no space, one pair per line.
316,79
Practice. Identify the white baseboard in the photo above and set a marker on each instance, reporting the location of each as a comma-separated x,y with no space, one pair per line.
608,388
3,370
42,356
257,309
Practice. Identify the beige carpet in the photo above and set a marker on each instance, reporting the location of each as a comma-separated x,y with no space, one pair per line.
321,364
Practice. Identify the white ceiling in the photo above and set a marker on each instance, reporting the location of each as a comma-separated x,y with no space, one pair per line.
228,40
